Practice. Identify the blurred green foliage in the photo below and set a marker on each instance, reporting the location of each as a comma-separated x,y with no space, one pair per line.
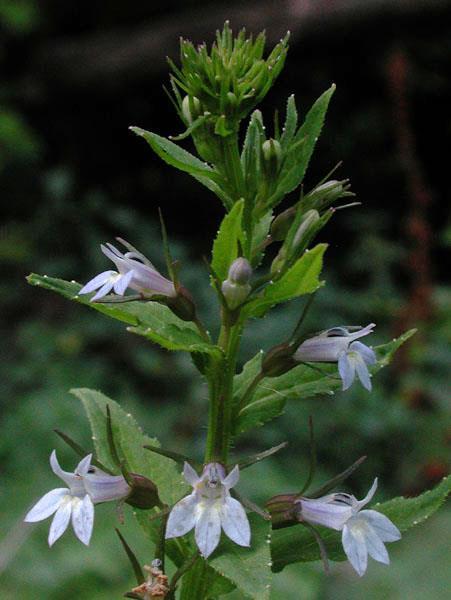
53,224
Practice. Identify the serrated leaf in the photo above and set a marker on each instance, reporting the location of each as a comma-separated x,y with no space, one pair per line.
248,568
250,156
150,319
181,159
300,383
129,440
301,278
291,121
225,246
176,156
297,544
300,149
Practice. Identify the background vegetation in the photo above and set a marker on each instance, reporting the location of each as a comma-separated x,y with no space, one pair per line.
75,76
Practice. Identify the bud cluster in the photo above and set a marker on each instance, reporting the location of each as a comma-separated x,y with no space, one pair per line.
227,80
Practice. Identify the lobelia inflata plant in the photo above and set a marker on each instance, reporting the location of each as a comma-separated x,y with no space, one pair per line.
261,257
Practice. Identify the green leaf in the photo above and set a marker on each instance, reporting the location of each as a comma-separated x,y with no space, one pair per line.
300,149
129,440
248,568
300,383
301,278
250,156
176,156
297,544
225,246
291,121
150,319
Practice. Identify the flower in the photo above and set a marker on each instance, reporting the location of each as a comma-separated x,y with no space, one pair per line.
208,508
134,271
339,345
236,288
87,486
363,531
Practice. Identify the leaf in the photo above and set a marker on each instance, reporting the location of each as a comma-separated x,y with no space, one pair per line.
248,568
291,121
300,383
150,319
250,156
300,150
297,544
176,156
129,440
301,278
225,246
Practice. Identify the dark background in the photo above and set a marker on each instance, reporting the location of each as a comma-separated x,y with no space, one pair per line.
75,76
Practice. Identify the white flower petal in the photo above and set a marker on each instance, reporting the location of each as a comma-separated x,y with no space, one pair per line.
115,256
123,282
46,506
362,371
362,332
355,549
104,290
182,517
60,520
97,282
70,478
324,512
103,487
234,522
208,529
382,525
190,475
346,368
83,519
366,353
361,503
232,478
84,465
374,544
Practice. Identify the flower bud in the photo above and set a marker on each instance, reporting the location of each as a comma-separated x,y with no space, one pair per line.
279,262
278,361
282,223
191,108
310,218
272,151
240,271
144,493
326,193
236,287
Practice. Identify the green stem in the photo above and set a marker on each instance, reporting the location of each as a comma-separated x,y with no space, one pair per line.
232,165
221,394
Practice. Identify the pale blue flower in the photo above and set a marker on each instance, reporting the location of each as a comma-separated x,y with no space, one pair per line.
363,531
87,486
208,508
339,344
134,271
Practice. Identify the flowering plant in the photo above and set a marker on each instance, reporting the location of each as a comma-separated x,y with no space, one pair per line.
261,257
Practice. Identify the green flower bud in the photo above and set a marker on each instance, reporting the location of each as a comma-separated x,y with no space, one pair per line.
282,223
272,151
326,193
279,262
310,218
236,287
191,108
